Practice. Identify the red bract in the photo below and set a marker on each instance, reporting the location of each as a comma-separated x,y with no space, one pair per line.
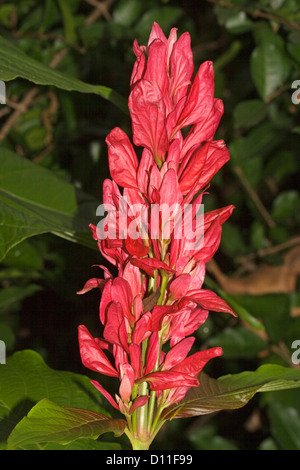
156,234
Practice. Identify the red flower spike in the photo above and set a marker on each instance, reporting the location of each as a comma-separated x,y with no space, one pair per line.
157,295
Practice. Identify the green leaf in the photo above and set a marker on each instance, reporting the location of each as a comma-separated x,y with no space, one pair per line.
272,309
26,379
11,295
282,164
286,204
165,16
285,426
206,438
7,335
15,63
269,68
48,422
249,113
236,305
238,343
232,391
127,12
69,23
34,201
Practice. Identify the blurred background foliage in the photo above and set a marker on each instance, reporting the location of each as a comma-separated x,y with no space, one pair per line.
255,47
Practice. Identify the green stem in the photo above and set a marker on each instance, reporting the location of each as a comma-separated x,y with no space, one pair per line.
151,407
142,413
155,428
137,444
164,282
144,426
134,414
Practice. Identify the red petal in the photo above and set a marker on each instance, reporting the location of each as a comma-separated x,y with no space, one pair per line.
136,247
180,285
142,329
205,130
169,190
181,67
127,381
123,162
203,164
224,213
190,170
144,168
201,97
208,300
139,65
135,358
156,70
92,356
139,401
115,329
192,365
158,313
178,353
121,292
169,379
105,393
210,243
153,351
217,156
149,265
148,115
156,33
92,284
105,299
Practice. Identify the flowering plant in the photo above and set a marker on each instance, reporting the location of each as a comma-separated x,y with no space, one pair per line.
154,235
159,239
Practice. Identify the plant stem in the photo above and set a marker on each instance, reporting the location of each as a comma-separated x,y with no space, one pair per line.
134,415
151,409
164,282
142,413
137,444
